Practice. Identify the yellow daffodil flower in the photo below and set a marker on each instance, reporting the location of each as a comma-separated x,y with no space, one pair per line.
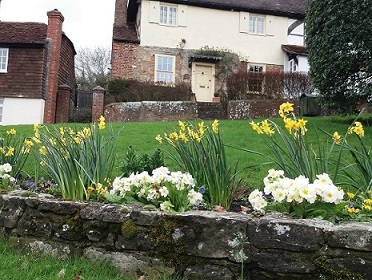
215,126
336,137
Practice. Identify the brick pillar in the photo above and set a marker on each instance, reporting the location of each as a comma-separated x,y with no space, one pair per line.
63,104
98,100
54,35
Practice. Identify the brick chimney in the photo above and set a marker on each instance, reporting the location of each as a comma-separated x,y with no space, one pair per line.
54,35
120,13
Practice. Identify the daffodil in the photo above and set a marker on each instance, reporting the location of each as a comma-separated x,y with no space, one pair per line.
215,126
336,137
256,127
11,132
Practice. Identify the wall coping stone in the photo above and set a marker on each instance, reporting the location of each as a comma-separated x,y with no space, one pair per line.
195,243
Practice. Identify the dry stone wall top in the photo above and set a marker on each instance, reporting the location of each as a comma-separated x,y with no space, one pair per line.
197,244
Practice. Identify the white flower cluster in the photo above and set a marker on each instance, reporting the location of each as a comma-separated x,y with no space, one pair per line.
4,170
157,186
283,189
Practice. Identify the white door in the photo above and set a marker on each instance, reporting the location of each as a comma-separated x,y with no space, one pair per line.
203,82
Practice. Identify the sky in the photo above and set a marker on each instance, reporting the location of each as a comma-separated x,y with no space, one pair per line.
88,23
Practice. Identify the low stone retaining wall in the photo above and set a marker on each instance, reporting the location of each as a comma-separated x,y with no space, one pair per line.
187,110
194,244
151,111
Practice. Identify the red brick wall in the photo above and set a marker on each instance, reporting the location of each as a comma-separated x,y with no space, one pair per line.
25,74
64,102
54,33
98,100
124,60
66,75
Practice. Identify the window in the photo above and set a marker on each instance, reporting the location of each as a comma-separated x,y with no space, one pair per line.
1,109
4,60
168,15
164,69
256,24
255,78
292,66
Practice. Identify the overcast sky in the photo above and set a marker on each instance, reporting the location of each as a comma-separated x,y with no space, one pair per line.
88,23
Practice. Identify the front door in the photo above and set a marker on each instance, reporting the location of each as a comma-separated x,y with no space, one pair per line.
203,82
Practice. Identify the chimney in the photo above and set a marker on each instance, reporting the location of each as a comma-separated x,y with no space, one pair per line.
120,13
54,35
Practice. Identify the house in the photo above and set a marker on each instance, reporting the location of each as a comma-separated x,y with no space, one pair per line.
37,71
177,41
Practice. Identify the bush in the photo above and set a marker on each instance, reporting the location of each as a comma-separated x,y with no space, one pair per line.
135,91
274,84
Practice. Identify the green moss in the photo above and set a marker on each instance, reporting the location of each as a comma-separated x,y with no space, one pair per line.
129,229
28,194
329,273
165,246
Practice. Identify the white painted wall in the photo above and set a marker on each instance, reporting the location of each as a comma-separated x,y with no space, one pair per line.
23,111
303,64
218,29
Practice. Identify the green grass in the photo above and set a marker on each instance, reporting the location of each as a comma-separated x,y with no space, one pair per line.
23,265
15,265
236,133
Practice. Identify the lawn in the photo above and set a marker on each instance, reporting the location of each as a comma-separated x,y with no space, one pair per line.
15,265
236,133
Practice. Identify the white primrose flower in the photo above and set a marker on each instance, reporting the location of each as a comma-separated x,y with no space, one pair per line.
279,194
254,196
6,167
163,191
194,197
259,204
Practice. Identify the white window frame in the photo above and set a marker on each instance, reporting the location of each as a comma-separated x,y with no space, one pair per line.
256,24
168,15
263,69
164,69
292,66
1,109
4,55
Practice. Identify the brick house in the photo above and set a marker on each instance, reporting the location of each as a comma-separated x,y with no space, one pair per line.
37,71
162,41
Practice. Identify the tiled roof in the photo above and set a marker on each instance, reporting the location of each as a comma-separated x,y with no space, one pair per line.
294,49
289,8
126,33
22,32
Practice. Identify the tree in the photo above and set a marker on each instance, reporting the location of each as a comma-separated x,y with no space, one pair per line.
339,46
92,68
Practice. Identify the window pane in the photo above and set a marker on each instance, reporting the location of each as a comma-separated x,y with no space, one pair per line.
260,25
163,14
252,24
3,58
164,69
172,15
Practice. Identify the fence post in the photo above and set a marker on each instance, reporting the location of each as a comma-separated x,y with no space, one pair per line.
97,102
63,103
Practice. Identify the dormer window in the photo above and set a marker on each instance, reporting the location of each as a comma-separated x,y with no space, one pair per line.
168,15
4,52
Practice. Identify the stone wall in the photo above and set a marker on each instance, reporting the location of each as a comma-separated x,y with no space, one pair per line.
151,111
188,110
196,244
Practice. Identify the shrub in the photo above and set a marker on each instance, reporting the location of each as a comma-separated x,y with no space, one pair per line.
135,91
272,84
